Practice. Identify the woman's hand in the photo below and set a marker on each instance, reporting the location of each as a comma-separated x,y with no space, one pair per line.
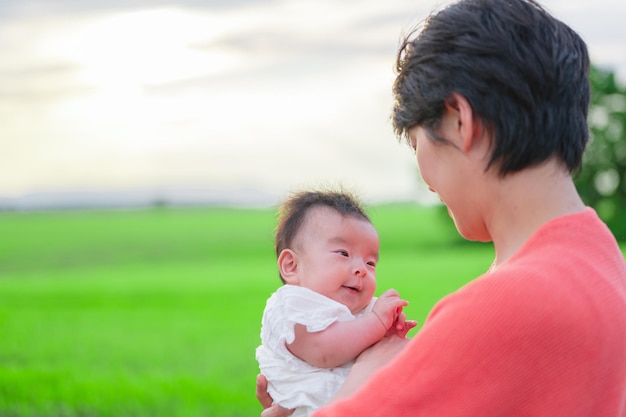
266,400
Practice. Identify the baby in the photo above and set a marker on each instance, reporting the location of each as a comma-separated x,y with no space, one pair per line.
326,314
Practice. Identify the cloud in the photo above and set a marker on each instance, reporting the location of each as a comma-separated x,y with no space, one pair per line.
18,9
275,93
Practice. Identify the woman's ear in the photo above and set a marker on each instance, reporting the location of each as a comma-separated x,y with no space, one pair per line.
288,266
467,127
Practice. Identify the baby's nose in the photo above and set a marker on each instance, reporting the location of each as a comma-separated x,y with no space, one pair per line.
359,268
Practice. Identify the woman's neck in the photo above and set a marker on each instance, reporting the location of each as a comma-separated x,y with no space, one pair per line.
527,200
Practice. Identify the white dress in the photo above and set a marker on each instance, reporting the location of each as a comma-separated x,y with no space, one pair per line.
294,383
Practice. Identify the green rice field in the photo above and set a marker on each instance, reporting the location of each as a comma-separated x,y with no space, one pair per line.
157,312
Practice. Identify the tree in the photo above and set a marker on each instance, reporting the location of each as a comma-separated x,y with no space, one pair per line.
602,180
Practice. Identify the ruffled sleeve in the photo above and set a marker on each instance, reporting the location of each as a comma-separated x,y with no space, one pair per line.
291,305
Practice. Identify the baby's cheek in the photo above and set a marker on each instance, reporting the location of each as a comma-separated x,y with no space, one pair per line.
370,290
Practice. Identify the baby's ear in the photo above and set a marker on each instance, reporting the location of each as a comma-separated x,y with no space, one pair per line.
288,266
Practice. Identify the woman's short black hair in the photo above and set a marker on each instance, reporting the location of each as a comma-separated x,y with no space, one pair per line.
525,74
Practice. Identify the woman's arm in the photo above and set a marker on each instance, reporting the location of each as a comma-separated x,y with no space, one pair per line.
373,359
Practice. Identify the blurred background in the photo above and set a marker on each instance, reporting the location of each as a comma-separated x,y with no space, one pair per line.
202,115
130,103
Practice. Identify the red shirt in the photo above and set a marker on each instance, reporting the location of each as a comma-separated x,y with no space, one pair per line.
542,335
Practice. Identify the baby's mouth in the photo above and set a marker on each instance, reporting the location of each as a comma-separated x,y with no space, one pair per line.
354,289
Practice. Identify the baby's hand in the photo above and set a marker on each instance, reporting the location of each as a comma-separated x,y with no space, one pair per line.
388,308
401,326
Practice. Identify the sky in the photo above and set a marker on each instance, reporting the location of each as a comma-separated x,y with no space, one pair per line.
220,95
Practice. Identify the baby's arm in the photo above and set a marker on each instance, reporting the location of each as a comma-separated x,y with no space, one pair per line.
343,341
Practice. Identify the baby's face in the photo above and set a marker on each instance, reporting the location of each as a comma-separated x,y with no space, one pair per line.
337,257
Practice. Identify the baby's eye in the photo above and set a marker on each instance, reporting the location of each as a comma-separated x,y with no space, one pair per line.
372,264
342,252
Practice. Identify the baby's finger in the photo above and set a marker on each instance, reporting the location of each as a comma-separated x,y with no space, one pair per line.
390,293
400,320
408,325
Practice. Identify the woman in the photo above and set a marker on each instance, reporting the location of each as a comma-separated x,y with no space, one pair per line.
493,96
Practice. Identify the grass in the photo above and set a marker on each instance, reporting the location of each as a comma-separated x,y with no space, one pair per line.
157,312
